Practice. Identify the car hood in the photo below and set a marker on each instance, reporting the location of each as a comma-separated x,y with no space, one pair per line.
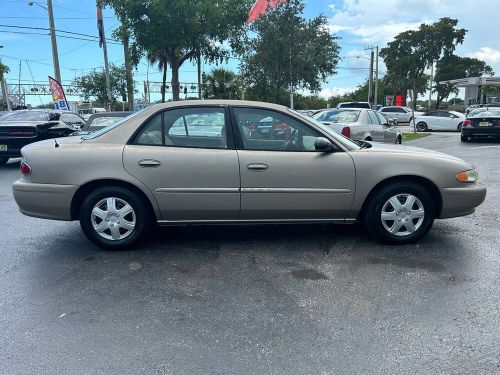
408,150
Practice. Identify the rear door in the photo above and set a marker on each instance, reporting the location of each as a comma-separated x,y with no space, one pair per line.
187,160
286,178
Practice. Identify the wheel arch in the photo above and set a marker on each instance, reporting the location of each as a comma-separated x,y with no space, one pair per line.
84,190
422,181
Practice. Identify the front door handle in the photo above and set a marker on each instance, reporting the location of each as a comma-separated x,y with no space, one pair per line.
149,163
257,167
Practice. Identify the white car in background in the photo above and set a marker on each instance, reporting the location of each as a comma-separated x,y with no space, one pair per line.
439,120
402,114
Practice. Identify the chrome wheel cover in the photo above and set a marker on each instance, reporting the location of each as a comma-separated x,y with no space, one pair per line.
113,219
402,215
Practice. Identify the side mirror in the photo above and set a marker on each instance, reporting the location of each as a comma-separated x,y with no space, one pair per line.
323,144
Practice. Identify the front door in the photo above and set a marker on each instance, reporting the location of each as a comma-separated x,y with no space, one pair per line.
283,177
185,159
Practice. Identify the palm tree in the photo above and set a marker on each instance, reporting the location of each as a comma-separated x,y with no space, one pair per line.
161,58
221,84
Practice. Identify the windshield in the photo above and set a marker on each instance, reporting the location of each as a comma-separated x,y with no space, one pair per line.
348,143
338,116
111,126
25,116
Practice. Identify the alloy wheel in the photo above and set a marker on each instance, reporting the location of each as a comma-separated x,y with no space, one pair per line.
402,215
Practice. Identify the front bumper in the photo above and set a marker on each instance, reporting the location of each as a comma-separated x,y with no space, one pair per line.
461,201
46,201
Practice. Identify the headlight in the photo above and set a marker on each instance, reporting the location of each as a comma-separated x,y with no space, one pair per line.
467,176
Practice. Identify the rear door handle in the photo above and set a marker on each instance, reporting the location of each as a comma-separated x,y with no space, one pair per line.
258,167
149,163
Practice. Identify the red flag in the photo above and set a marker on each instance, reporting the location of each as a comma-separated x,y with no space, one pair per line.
260,8
100,27
58,96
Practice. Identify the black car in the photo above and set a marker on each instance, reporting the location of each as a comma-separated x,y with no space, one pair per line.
482,125
19,128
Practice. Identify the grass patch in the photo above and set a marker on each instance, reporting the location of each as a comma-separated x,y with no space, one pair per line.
412,136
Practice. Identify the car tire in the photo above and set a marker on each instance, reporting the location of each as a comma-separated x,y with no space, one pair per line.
405,228
399,140
109,228
422,127
3,160
464,138
459,127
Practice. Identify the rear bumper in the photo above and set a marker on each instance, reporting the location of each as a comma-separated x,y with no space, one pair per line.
45,201
461,201
486,131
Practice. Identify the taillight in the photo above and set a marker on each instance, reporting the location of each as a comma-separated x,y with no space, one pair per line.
25,168
346,132
467,123
498,122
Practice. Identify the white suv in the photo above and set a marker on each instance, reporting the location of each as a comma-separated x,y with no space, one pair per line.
402,114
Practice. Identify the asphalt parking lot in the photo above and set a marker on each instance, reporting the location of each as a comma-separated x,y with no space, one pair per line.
315,299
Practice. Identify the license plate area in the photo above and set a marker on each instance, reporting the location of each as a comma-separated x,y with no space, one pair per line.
3,147
485,123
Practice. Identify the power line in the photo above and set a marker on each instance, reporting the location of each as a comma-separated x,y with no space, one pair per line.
57,30
59,36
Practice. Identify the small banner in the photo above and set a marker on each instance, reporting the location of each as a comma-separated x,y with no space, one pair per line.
261,7
58,96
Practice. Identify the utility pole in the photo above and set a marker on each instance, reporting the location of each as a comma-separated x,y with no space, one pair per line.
198,58
128,70
55,55
375,102
102,43
370,81
21,103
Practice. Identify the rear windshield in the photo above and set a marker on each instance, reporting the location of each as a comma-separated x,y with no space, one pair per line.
113,125
487,113
338,116
100,122
354,105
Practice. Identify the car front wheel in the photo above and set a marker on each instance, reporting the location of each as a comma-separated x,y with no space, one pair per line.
114,218
400,213
422,127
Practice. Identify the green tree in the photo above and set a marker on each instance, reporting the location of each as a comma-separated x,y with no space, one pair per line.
455,67
4,69
221,84
180,30
284,50
411,52
159,57
93,84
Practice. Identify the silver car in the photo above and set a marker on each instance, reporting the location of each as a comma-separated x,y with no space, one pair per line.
200,162
360,125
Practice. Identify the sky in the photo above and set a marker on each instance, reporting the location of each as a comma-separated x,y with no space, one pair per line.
359,23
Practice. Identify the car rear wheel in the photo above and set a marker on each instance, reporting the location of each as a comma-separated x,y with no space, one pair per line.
464,138
459,127
3,160
114,218
400,213
399,140
422,127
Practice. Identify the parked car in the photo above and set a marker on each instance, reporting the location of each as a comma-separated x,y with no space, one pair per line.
439,120
481,125
365,105
20,128
402,114
360,125
157,170
99,121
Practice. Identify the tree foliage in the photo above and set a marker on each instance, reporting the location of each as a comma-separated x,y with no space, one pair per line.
221,84
93,84
4,69
411,52
284,49
455,67
179,30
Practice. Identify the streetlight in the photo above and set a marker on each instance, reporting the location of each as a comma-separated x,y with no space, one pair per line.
55,55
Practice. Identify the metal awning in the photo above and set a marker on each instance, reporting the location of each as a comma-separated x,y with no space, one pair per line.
473,81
